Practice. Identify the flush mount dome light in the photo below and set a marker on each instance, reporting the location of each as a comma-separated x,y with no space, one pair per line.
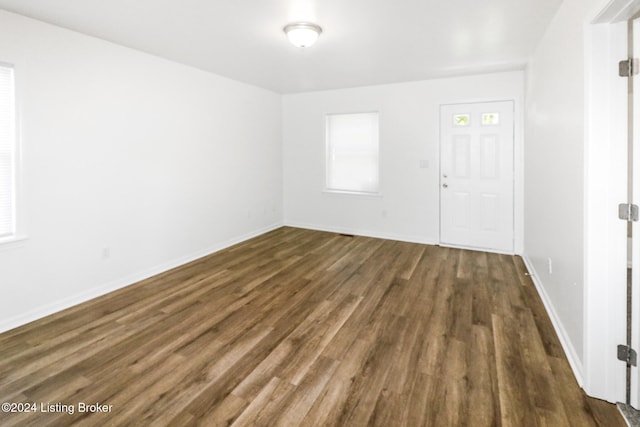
302,34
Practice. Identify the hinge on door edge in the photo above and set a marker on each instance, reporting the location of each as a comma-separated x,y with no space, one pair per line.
628,212
627,355
628,67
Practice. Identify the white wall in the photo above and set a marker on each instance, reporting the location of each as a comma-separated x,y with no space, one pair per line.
156,161
554,162
409,131
565,195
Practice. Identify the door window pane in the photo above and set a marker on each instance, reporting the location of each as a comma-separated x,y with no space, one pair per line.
490,119
461,119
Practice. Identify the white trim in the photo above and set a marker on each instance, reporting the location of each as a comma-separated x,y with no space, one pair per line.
377,195
361,232
56,306
617,11
567,346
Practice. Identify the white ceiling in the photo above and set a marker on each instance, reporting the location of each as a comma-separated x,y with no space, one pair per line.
364,42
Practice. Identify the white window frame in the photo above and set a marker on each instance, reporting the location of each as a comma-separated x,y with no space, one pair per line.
18,233
327,187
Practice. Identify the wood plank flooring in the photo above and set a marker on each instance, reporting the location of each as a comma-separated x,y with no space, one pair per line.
305,328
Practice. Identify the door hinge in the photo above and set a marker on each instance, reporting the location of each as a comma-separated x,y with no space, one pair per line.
628,67
627,355
628,212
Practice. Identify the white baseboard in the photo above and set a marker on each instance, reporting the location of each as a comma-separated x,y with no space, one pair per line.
567,346
122,282
362,232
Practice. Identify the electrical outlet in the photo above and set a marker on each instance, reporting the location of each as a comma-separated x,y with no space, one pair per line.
550,265
106,253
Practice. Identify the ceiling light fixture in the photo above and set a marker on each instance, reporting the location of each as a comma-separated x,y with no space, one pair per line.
302,34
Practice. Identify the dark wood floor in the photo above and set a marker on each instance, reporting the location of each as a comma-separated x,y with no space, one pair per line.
306,328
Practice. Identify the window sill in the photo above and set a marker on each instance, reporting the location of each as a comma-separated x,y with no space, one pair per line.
13,242
353,193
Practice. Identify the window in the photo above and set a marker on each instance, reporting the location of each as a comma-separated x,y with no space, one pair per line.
352,153
490,119
461,119
7,153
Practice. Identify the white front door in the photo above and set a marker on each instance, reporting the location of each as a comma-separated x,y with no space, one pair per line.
476,175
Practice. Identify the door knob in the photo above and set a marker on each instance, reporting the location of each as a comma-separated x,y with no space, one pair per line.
445,185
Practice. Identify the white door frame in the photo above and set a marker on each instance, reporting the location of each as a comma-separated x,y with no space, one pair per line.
518,164
471,108
605,178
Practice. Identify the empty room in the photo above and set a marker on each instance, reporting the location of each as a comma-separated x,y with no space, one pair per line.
319,213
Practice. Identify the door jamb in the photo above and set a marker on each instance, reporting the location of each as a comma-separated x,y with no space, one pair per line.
605,180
